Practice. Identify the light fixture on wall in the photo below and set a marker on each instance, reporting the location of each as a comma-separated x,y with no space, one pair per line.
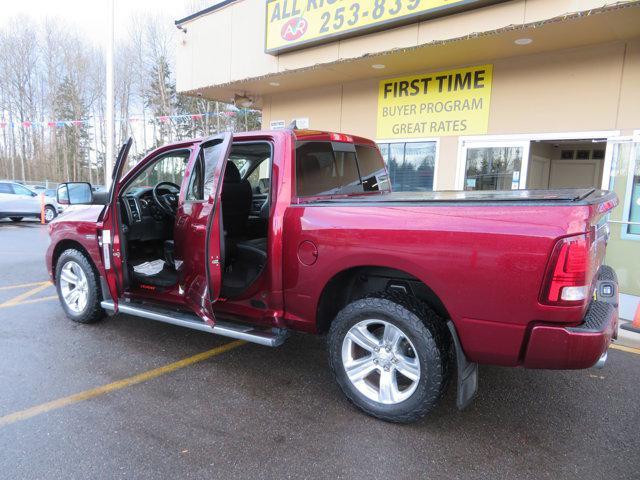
242,101
274,84
523,41
378,66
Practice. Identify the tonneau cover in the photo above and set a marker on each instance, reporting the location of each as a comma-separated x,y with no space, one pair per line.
573,196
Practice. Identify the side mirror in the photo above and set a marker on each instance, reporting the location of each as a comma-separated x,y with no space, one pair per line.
74,193
34,194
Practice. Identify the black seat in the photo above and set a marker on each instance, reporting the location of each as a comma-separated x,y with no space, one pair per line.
236,200
256,244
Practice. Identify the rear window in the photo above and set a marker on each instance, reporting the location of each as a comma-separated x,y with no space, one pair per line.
372,170
325,168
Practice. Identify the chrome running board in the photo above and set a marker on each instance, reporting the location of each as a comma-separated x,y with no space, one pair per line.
270,338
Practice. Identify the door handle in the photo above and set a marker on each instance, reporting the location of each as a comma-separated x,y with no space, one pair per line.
198,228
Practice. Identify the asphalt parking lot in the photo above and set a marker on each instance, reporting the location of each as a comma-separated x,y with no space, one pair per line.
252,412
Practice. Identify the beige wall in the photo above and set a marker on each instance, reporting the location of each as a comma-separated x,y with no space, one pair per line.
227,45
585,89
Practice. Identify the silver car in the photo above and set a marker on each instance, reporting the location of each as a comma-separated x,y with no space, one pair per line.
18,202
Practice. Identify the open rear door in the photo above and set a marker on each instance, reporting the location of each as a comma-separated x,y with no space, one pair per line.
203,232
113,258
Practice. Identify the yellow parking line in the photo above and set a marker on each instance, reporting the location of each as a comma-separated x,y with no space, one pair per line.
118,385
33,300
625,349
23,285
23,296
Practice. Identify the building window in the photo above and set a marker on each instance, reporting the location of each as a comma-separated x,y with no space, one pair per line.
493,168
633,228
410,165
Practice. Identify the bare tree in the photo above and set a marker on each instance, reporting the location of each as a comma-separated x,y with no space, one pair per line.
52,102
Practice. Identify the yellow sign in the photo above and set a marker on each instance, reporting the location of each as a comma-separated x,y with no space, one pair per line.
454,102
296,23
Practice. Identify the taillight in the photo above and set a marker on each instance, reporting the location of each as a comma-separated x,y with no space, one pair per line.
569,275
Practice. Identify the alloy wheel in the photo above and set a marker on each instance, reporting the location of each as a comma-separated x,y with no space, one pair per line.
74,287
49,214
380,361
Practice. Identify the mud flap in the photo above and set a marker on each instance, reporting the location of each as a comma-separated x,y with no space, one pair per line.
467,373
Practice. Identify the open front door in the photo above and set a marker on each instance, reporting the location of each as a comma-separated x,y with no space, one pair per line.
113,257
199,231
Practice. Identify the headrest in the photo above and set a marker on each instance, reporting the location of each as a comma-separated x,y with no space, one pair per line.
231,173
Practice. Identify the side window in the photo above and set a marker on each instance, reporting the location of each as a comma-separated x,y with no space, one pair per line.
20,190
6,188
259,178
195,190
201,182
374,175
211,157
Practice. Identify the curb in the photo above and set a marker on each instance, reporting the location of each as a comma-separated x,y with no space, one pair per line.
626,337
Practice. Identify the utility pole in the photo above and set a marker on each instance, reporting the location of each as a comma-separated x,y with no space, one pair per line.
109,120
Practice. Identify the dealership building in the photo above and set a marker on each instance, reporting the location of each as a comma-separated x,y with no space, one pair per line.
460,95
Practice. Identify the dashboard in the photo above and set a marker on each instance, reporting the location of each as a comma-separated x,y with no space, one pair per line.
142,216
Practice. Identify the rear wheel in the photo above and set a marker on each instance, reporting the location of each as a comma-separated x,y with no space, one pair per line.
390,355
16,219
77,285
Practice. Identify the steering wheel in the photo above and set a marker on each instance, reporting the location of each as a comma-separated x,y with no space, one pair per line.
167,202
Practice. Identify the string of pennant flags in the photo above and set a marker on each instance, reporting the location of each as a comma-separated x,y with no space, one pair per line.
78,123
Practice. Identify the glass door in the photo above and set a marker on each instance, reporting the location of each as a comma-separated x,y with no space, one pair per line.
493,165
623,250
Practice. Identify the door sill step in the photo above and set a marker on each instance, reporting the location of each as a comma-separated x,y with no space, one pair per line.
270,338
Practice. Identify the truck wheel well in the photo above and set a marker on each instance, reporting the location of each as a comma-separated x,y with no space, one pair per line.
66,245
357,282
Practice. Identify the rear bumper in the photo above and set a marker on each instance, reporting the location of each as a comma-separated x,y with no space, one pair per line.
584,345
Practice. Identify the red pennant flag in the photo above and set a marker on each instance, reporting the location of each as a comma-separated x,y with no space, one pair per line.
3,124
26,124
52,124
164,118
197,116
77,122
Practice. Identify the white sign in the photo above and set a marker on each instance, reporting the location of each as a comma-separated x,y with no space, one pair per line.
277,124
302,123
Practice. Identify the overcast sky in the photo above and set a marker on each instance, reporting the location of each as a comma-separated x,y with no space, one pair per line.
89,15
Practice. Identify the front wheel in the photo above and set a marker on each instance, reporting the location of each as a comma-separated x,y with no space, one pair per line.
390,355
77,285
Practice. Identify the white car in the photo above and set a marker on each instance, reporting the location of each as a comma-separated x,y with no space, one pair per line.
18,201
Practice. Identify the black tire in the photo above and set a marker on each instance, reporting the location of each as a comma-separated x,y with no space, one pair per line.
432,346
16,219
52,210
92,311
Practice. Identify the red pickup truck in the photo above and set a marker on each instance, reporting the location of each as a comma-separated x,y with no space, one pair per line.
254,235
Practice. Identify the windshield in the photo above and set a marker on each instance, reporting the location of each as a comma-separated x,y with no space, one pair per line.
169,167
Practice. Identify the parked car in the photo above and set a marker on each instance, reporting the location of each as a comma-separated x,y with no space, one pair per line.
411,289
18,201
